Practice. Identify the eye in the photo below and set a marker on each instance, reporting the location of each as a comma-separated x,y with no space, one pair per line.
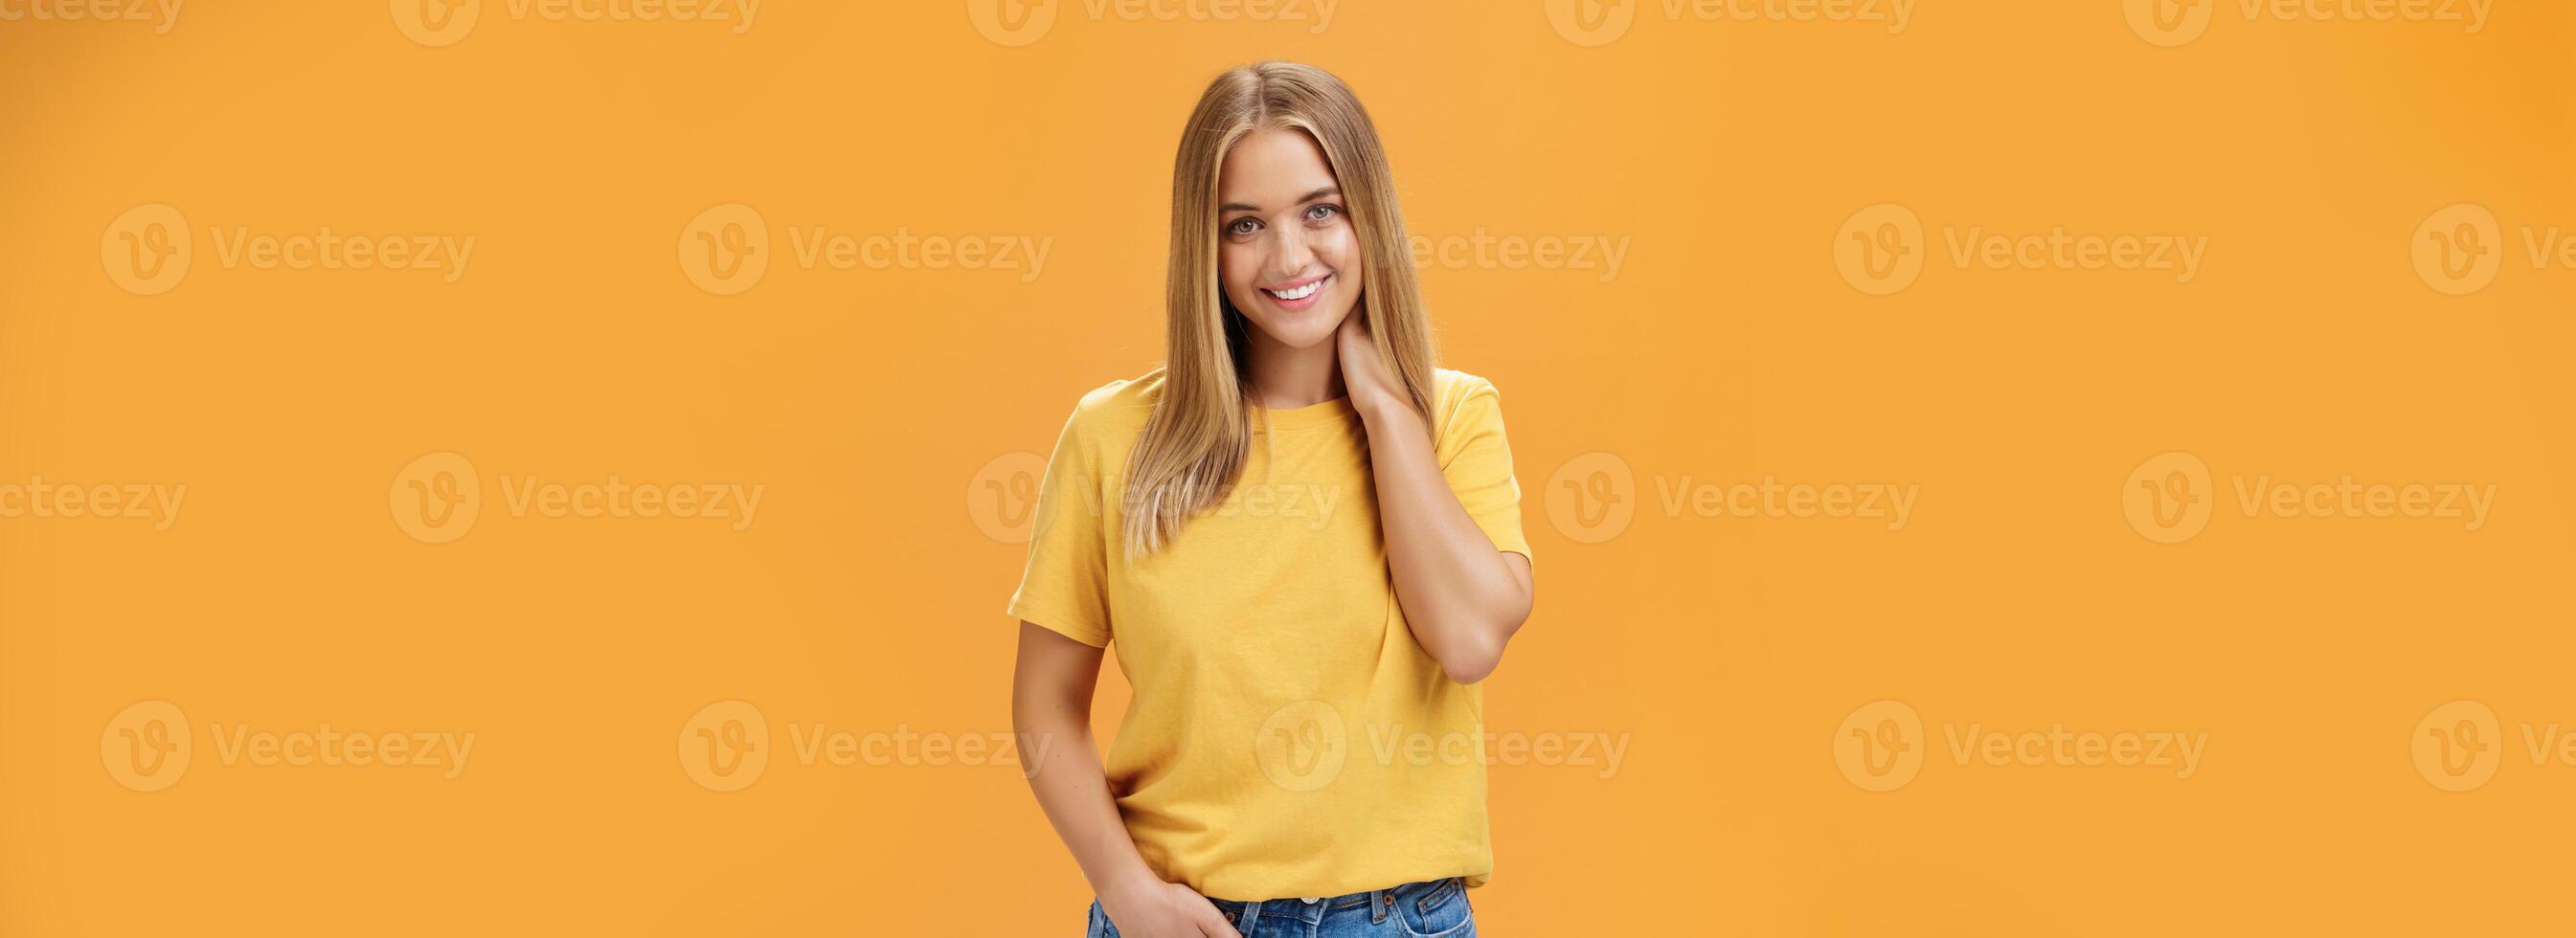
1323,211
1241,227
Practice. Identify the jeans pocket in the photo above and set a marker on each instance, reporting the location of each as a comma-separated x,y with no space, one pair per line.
1435,909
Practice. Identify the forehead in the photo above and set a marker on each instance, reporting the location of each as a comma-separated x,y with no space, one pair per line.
1271,166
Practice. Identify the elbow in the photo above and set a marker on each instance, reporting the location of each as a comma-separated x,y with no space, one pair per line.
1473,644
1475,659
1469,672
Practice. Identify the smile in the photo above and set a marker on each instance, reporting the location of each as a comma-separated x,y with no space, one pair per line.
1295,297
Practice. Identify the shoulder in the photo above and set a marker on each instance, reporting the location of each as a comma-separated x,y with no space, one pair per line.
1461,401
1118,407
1452,385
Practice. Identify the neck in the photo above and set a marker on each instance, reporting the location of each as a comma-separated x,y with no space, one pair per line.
1284,377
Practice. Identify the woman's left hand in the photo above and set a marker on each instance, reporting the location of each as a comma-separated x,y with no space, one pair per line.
1365,376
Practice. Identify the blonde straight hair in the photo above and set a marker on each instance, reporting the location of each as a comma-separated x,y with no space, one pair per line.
1199,436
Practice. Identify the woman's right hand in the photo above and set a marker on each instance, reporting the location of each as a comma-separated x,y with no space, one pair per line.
1156,909
1051,700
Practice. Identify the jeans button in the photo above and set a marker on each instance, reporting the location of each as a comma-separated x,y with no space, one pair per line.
1307,901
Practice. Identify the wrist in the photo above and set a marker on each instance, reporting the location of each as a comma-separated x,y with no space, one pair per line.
1377,409
1128,879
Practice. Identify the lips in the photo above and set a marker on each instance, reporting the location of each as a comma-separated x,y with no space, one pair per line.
1297,294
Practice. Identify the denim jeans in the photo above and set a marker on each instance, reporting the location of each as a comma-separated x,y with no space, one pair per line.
1431,909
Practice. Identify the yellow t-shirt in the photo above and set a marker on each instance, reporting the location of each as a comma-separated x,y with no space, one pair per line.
1287,736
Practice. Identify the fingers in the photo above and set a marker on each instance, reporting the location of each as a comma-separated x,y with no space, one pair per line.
1213,924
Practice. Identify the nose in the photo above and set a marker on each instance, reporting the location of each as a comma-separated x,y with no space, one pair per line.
1292,255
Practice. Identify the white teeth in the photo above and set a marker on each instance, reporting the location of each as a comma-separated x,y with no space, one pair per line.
1298,293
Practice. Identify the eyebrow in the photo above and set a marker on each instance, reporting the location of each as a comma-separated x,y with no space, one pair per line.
1309,197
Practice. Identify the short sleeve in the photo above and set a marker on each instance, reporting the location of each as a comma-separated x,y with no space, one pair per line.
1477,460
1064,589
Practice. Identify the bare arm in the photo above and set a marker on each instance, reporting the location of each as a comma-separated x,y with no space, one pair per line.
1051,700
1463,598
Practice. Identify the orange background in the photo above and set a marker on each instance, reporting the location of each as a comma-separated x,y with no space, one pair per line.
872,406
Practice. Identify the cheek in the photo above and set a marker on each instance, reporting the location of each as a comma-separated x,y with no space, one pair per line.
1338,246
1235,266
1341,251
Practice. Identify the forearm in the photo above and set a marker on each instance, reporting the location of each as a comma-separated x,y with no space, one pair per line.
1073,790
1462,598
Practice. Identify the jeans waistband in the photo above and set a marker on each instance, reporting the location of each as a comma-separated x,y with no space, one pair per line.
1377,904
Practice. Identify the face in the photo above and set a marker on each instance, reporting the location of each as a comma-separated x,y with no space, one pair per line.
1287,254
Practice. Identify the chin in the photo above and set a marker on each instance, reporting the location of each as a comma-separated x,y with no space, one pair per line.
1300,330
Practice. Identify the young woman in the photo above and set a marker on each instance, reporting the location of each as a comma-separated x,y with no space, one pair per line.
1306,541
